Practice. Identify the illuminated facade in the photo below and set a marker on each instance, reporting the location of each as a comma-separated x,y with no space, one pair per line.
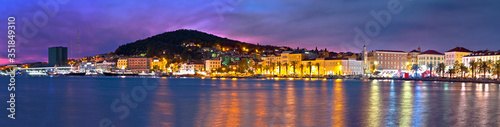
455,54
211,65
139,64
413,57
122,63
387,60
484,55
430,58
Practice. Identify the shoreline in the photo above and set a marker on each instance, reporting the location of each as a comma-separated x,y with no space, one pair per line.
440,79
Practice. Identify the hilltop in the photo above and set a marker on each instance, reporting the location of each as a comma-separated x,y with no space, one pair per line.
184,43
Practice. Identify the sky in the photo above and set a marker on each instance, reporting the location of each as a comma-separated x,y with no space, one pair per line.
338,25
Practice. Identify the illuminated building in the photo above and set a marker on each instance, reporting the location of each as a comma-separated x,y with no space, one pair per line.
430,58
455,54
413,57
139,64
211,65
484,55
387,60
122,63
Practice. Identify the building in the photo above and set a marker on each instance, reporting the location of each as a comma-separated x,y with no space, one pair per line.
364,57
455,54
430,58
186,69
484,55
391,60
139,64
332,66
58,56
211,65
104,66
122,63
413,57
198,66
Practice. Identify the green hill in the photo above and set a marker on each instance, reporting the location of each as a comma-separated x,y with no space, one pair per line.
173,43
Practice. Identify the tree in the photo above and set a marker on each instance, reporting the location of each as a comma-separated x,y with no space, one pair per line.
266,67
473,66
286,68
309,65
485,66
273,65
430,66
451,71
294,64
441,68
496,69
301,69
463,69
279,67
317,66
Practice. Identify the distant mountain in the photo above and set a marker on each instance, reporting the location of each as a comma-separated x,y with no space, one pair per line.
173,43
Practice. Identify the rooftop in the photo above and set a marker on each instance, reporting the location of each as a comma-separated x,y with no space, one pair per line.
434,52
484,53
390,51
459,49
415,51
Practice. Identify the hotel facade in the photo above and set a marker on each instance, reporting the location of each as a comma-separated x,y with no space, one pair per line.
430,58
484,55
455,54
390,60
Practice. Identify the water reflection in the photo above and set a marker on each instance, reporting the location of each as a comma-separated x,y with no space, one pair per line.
373,109
406,103
338,115
249,102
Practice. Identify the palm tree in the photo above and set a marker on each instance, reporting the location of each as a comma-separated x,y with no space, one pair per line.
301,69
266,67
430,66
485,66
451,71
496,69
273,65
294,64
279,67
260,67
286,68
473,66
463,69
441,68
317,66
310,67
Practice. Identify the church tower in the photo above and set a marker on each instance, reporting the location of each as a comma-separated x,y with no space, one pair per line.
365,60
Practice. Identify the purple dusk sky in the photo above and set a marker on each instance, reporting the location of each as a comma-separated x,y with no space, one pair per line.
434,24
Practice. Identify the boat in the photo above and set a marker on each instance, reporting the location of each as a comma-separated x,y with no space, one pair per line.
36,73
119,74
76,74
146,74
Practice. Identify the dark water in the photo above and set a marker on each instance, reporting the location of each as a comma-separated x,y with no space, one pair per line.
86,101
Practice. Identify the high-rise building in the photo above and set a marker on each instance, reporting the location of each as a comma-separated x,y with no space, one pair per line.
58,56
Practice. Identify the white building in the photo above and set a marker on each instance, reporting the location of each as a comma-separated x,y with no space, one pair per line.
430,58
211,65
351,66
484,55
